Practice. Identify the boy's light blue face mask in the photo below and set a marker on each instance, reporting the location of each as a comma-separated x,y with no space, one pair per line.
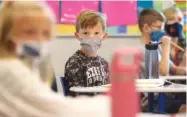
156,35
91,45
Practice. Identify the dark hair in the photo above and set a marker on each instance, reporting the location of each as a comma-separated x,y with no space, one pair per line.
149,16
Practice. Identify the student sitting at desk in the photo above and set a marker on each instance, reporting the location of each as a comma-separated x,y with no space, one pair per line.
85,68
150,20
173,28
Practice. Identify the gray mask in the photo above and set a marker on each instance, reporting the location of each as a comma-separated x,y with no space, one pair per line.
91,45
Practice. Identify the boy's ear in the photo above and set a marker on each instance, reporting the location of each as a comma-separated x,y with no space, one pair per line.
105,36
145,28
76,35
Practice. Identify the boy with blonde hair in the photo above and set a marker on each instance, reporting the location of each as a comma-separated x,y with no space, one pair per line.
174,29
85,68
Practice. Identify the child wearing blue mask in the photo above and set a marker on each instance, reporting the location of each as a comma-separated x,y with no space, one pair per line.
85,68
150,24
174,29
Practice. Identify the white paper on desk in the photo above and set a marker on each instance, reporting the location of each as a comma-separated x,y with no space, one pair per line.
175,85
150,83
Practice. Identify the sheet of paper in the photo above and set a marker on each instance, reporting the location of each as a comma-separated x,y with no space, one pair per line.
70,9
65,29
122,29
133,29
117,12
144,4
54,5
158,5
112,30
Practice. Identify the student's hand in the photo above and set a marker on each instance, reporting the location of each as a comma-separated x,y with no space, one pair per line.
182,108
166,41
164,62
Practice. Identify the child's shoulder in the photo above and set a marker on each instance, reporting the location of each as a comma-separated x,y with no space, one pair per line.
103,60
76,58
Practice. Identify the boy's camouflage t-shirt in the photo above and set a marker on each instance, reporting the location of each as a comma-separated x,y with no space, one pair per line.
81,70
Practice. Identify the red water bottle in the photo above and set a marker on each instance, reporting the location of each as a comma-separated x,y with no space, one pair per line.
125,102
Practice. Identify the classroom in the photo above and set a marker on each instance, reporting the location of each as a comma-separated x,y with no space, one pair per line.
97,58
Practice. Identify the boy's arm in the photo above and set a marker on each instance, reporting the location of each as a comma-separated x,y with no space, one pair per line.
183,62
107,71
181,69
73,74
177,70
164,62
141,73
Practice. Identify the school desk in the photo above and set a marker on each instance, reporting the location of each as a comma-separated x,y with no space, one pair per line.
173,77
172,88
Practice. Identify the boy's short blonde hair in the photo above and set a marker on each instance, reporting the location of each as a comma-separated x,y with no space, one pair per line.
169,13
9,10
149,16
89,18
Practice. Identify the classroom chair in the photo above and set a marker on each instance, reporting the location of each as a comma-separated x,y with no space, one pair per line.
64,85
162,99
60,85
